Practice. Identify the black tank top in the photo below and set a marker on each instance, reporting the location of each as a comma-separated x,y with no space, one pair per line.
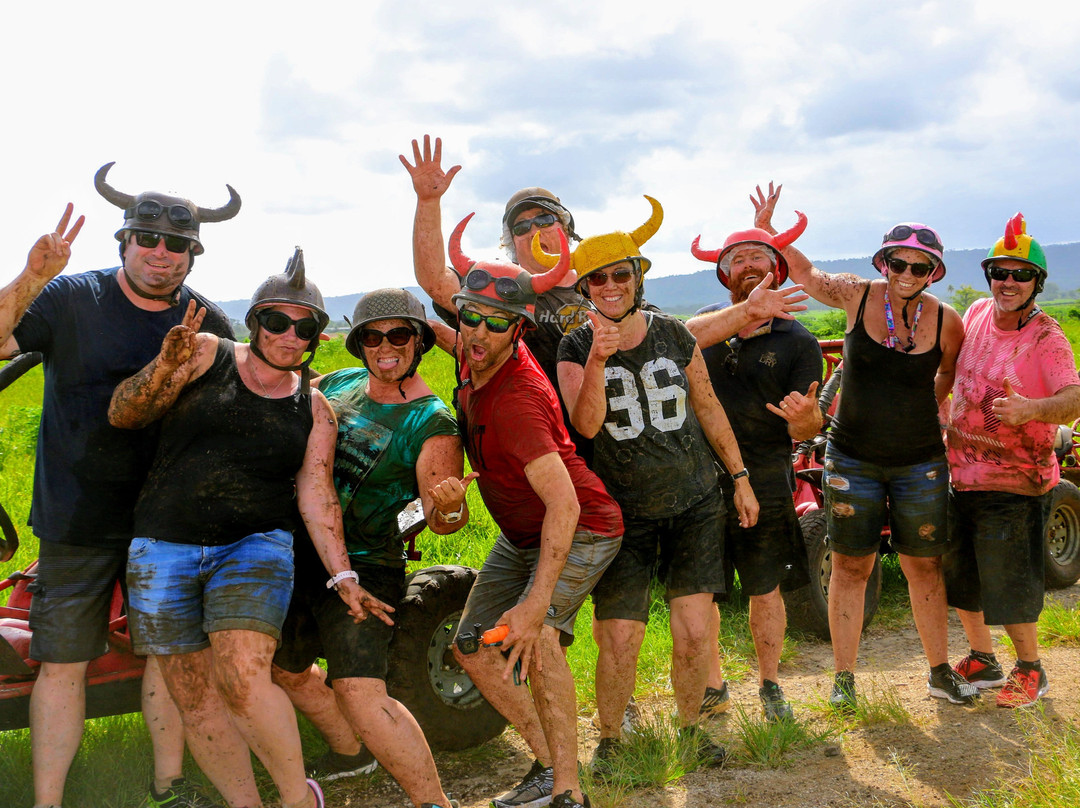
226,462
888,413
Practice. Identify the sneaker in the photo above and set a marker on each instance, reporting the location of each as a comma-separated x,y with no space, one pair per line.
950,685
842,698
606,751
981,672
708,753
564,800
773,703
320,800
1024,687
181,794
533,791
716,701
335,766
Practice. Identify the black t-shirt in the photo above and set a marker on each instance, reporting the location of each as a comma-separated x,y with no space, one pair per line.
748,374
88,474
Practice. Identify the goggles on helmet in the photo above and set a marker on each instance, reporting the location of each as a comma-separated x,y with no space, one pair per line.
924,235
174,244
277,322
150,210
496,323
1024,275
512,290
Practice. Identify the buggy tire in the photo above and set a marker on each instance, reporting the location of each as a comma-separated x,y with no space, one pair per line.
1061,550
423,674
808,606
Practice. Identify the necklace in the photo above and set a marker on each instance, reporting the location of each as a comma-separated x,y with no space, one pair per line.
260,381
892,341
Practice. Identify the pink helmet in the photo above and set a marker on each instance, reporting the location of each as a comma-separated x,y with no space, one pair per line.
504,285
916,237
752,236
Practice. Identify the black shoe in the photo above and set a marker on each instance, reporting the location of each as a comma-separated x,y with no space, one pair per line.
603,757
773,703
843,692
564,800
533,791
708,753
182,793
336,766
952,686
716,701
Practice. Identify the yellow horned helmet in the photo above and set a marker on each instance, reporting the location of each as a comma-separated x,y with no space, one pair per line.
598,252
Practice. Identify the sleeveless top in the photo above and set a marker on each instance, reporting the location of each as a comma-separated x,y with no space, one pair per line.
888,413
226,462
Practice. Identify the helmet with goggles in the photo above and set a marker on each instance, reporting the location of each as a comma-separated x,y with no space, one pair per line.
753,237
1017,245
390,304
914,236
155,212
503,285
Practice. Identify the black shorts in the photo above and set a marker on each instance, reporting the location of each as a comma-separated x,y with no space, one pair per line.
685,553
319,625
771,553
73,593
995,561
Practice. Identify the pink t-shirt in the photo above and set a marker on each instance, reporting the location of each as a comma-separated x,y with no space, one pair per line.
984,453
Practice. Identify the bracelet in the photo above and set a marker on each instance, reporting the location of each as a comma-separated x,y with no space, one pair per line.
341,576
744,473
451,518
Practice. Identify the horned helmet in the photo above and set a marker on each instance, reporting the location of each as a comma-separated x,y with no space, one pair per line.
773,244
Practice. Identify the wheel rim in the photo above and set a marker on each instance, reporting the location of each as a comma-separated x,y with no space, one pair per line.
1063,536
448,679
825,573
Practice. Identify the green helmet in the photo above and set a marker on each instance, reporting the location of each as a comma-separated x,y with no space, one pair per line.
1017,245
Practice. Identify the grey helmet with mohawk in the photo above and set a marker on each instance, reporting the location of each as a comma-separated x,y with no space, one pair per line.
155,212
294,289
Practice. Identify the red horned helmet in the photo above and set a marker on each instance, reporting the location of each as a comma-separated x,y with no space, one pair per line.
501,284
752,236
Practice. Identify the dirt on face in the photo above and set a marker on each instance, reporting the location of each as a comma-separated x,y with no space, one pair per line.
944,750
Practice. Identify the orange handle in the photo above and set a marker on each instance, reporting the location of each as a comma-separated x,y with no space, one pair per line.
495,635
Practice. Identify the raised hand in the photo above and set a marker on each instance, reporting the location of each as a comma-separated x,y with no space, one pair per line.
429,179
50,253
605,338
764,207
179,344
764,303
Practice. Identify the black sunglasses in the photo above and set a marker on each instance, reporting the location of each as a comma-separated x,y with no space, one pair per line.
277,322
924,235
525,225
731,361
496,323
174,244
508,289
620,276
1024,275
150,210
372,337
919,270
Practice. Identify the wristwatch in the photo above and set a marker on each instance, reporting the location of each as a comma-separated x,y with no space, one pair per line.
451,518
744,473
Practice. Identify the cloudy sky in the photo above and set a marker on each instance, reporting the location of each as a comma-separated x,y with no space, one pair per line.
952,113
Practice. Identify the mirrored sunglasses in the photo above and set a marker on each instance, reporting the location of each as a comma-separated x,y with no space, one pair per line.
496,323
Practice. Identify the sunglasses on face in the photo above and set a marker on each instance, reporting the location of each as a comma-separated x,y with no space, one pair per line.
525,225
1019,275
174,244
496,323
620,276
150,210
924,235
277,322
372,337
508,289
919,270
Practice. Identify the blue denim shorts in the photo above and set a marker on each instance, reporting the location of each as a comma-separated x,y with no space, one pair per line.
179,594
860,496
507,576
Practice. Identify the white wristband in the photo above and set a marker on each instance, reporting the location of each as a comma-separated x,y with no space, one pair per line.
341,576
451,518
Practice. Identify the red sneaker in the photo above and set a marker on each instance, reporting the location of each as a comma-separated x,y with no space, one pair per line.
1025,687
981,674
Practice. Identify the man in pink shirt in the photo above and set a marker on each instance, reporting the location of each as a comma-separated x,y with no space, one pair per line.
1016,380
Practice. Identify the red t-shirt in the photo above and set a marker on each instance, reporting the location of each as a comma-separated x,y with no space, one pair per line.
511,421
